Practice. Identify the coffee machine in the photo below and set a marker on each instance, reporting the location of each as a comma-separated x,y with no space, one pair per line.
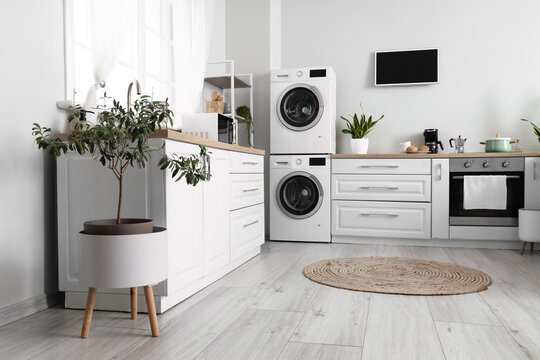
432,140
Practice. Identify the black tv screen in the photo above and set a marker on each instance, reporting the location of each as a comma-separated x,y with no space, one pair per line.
407,67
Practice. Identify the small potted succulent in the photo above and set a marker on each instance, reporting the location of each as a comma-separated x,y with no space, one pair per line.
358,129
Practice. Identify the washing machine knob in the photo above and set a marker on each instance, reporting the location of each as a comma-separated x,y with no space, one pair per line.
298,161
299,73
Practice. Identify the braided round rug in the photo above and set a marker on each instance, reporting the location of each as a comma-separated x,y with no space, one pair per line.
398,276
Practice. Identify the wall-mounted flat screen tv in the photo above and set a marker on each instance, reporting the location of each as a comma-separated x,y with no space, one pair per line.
407,67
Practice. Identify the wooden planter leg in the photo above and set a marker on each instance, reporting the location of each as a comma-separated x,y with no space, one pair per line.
149,296
90,300
523,247
133,300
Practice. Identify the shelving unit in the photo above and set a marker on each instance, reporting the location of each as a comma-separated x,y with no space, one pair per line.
228,81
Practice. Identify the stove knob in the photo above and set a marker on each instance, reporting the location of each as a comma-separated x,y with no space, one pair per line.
505,164
485,164
467,164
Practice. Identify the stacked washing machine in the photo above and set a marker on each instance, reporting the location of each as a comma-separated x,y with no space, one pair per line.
302,137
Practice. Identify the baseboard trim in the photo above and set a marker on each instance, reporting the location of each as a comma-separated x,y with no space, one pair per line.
21,309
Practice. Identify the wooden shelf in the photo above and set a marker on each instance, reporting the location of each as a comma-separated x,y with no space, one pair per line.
224,82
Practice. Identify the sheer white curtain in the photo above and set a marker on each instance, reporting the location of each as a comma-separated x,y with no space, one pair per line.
193,21
108,30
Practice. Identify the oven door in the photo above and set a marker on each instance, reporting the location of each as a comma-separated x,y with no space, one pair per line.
485,217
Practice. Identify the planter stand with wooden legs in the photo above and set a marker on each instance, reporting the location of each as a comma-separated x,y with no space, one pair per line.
149,296
123,261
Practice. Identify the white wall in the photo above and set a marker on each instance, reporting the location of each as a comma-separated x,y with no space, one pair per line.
32,79
489,64
248,43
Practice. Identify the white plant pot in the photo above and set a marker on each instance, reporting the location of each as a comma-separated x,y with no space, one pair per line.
123,261
359,146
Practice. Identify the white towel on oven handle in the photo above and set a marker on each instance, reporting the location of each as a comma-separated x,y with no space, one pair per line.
484,192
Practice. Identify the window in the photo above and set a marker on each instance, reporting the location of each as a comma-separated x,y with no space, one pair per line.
118,41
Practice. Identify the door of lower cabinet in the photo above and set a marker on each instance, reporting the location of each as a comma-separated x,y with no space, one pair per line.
216,213
184,221
532,182
440,199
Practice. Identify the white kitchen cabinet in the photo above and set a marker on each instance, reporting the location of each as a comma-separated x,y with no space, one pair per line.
440,198
185,229
381,166
247,229
381,187
381,219
206,240
532,182
246,190
216,213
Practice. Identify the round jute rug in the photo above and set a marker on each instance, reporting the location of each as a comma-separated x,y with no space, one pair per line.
398,276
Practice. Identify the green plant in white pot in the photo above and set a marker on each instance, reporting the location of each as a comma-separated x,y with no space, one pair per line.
358,129
123,252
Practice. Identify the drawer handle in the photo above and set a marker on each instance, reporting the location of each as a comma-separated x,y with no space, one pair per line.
380,214
379,166
282,162
379,187
249,163
251,223
249,190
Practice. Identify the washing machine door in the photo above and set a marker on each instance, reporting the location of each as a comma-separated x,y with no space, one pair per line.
299,195
300,107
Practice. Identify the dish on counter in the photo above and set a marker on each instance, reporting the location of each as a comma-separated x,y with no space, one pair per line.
417,152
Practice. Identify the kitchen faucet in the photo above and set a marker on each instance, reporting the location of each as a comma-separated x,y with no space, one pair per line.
129,92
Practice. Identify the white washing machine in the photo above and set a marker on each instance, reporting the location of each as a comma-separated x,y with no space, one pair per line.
300,198
303,111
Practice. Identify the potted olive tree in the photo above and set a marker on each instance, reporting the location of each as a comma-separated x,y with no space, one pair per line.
123,252
358,129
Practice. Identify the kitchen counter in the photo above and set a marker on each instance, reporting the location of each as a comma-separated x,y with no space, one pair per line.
178,136
434,156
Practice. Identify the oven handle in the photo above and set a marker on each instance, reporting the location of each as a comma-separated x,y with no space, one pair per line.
459,177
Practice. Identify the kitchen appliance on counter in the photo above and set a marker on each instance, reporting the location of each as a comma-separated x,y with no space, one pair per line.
212,126
498,144
460,144
432,140
511,167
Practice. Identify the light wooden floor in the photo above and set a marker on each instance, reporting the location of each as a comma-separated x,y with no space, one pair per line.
266,309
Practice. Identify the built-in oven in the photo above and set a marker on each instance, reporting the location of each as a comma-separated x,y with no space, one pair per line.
511,167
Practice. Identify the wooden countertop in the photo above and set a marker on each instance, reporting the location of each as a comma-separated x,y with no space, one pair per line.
178,136
432,156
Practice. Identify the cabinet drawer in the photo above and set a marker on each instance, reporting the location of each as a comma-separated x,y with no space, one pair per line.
246,163
246,190
381,187
381,166
381,219
246,230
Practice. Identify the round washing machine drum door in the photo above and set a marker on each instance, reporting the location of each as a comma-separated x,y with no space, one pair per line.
300,107
299,195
